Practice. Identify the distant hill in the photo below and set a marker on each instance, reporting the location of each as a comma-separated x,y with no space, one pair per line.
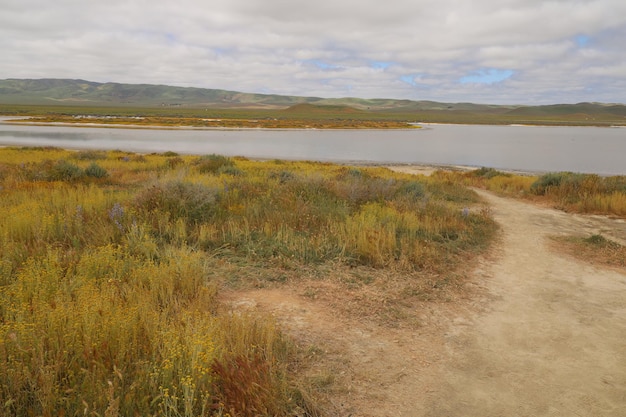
87,93
81,92
570,109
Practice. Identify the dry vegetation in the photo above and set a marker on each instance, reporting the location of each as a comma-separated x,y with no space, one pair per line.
572,192
111,263
273,122
595,248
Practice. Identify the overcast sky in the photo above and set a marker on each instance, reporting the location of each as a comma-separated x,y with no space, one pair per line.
484,51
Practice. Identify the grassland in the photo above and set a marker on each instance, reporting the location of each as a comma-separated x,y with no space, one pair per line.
112,262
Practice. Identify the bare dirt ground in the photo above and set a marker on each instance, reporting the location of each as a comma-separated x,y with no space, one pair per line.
537,333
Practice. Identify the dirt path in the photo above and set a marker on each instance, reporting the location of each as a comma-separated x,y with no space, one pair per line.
546,336
553,343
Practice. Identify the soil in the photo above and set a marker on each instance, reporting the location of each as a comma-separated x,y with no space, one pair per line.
533,333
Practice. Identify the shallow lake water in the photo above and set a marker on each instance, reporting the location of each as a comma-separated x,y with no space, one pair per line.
523,148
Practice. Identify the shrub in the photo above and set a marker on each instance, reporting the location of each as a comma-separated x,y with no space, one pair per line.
599,240
614,184
96,171
230,170
210,164
488,173
543,183
359,187
89,155
174,162
282,176
65,171
193,202
412,189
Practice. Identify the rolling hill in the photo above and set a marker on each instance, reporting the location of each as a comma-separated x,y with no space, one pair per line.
63,92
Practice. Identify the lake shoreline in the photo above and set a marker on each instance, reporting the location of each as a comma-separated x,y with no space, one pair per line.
511,149
9,120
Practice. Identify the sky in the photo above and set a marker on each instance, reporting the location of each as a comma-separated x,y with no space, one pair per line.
481,51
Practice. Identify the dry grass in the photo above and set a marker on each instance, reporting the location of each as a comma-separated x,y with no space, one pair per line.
108,283
580,193
595,249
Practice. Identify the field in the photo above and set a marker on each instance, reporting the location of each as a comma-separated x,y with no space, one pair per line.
112,264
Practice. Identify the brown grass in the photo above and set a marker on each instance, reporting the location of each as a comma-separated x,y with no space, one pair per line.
595,249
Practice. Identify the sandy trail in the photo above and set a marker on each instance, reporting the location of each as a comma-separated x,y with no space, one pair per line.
546,335
553,343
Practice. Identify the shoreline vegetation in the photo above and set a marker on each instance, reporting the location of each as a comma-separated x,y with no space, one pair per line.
567,191
112,265
203,123
302,116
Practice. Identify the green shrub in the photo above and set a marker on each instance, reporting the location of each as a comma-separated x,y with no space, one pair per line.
230,170
489,173
96,171
543,183
65,171
569,186
412,189
600,241
210,164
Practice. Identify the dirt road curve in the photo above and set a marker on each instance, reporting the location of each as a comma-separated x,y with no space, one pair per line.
547,338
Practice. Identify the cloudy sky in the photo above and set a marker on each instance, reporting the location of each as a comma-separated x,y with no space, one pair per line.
484,51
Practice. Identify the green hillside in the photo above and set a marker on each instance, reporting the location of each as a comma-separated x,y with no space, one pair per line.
73,92
46,96
87,93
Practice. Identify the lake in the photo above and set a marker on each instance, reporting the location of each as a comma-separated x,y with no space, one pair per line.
522,148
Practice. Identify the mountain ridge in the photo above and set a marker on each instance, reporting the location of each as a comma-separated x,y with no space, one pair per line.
55,91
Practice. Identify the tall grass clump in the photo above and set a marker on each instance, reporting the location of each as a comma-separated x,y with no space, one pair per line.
586,193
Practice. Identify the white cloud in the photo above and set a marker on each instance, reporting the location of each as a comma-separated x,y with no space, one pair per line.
328,47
